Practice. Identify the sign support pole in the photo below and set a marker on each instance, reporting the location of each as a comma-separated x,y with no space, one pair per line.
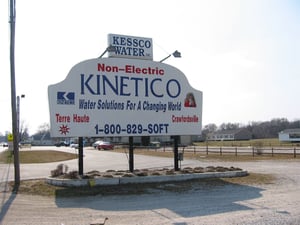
131,158
80,156
176,140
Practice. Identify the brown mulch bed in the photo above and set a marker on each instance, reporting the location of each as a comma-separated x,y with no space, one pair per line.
60,173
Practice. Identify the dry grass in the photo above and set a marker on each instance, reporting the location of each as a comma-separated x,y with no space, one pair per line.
240,158
158,153
266,142
44,156
40,187
211,156
252,179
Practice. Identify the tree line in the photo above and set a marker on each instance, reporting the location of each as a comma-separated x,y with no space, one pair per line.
258,130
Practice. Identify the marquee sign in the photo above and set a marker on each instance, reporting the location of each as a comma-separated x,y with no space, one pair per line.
124,97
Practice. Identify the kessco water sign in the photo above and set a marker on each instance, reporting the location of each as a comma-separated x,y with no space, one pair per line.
124,97
130,47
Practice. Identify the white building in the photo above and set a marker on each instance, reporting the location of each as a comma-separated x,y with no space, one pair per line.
292,135
229,135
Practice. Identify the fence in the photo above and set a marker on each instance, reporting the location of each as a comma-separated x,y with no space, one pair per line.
237,151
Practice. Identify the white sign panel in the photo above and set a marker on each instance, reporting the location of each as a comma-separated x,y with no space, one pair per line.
130,47
124,97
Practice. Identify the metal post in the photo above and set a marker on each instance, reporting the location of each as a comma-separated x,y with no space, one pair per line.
165,58
80,156
176,140
18,117
131,158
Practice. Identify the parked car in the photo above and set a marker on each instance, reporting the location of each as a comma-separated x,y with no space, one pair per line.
61,143
74,145
96,143
105,145
154,144
4,144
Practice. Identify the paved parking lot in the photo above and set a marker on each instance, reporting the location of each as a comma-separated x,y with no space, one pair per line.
275,203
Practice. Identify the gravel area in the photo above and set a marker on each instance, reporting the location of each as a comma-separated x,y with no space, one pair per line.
224,203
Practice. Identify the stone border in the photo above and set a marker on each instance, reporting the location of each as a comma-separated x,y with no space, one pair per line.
138,179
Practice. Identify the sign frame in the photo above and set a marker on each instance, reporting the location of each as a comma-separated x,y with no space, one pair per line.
124,97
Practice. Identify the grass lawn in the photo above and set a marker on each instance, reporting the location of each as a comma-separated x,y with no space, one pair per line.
211,156
267,142
44,156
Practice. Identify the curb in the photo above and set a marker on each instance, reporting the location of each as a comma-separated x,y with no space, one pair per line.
135,180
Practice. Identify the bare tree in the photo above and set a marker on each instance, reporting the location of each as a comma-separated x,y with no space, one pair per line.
23,132
210,127
229,126
44,128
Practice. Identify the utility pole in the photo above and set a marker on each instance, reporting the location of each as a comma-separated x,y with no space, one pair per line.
12,21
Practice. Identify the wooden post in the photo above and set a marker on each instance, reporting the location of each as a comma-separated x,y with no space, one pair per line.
272,152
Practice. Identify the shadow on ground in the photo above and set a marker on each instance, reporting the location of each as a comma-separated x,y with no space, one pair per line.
187,199
6,203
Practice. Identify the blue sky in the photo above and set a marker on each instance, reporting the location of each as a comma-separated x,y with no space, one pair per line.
243,54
